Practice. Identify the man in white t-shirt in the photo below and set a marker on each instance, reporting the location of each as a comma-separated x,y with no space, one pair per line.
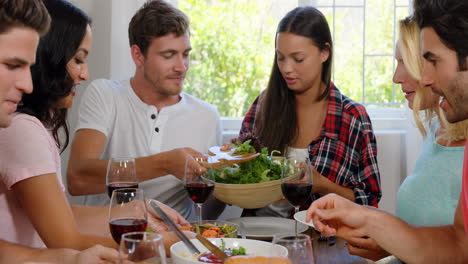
148,117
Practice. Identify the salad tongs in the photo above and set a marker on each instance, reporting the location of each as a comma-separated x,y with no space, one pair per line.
174,228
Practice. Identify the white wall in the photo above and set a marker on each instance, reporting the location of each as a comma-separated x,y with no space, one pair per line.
397,139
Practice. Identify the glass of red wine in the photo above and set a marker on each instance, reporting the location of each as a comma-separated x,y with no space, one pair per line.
127,212
142,247
197,189
121,173
297,182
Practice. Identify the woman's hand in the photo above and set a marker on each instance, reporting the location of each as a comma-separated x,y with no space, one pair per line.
169,238
156,223
94,255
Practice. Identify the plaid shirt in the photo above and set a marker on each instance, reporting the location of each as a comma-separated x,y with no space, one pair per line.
346,150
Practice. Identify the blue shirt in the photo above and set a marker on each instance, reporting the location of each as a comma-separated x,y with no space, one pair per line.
429,196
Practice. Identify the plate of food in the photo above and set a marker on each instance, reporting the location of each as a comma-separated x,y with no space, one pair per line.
265,228
301,216
232,246
213,228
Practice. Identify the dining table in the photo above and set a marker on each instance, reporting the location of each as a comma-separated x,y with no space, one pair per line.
328,253
263,228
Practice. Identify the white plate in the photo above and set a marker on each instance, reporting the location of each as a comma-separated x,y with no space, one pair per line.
300,217
266,227
181,255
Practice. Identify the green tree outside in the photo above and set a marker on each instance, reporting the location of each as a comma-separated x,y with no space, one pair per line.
233,50
232,54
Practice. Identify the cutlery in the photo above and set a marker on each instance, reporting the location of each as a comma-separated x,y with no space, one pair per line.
212,248
220,158
322,238
242,230
174,228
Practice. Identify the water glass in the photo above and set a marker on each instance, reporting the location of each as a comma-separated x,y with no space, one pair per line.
142,247
299,247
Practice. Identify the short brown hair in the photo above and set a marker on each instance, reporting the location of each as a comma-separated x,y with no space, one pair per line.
449,19
155,19
24,13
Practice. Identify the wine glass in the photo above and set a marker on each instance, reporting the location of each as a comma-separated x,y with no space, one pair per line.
299,247
297,182
127,212
142,247
198,190
121,173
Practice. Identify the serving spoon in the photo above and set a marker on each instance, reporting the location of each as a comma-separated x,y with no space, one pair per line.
212,248
220,158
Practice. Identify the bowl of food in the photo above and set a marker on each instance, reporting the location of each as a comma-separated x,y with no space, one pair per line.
213,228
254,183
249,195
181,255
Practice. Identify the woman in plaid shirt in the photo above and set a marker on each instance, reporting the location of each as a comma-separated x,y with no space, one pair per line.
302,113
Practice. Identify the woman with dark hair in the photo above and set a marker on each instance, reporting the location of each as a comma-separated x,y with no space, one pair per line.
33,205
63,52
302,114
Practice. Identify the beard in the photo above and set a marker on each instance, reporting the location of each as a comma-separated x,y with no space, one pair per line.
458,97
168,89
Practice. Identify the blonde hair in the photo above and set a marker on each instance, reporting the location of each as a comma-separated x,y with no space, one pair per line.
409,45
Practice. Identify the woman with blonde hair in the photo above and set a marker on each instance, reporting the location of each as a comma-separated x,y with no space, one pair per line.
429,196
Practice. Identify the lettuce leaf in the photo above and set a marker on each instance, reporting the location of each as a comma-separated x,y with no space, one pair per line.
260,169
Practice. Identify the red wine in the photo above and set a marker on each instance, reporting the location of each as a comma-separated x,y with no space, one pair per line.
118,227
296,192
199,191
120,185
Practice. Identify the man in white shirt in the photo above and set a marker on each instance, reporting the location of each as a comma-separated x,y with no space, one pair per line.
148,117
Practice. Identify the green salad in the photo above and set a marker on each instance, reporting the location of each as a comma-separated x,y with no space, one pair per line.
260,169
243,148
241,251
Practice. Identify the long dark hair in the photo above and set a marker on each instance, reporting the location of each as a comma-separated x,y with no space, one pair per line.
51,81
276,123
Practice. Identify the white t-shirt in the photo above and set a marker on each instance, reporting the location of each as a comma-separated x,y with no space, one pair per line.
135,129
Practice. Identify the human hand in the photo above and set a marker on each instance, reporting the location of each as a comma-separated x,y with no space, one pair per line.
176,163
333,215
169,238
365,247
156,223
95,255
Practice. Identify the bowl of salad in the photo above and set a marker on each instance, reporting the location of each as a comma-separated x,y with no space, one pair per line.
231,246
251,184
213,228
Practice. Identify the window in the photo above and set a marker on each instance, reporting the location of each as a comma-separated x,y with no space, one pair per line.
233,43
